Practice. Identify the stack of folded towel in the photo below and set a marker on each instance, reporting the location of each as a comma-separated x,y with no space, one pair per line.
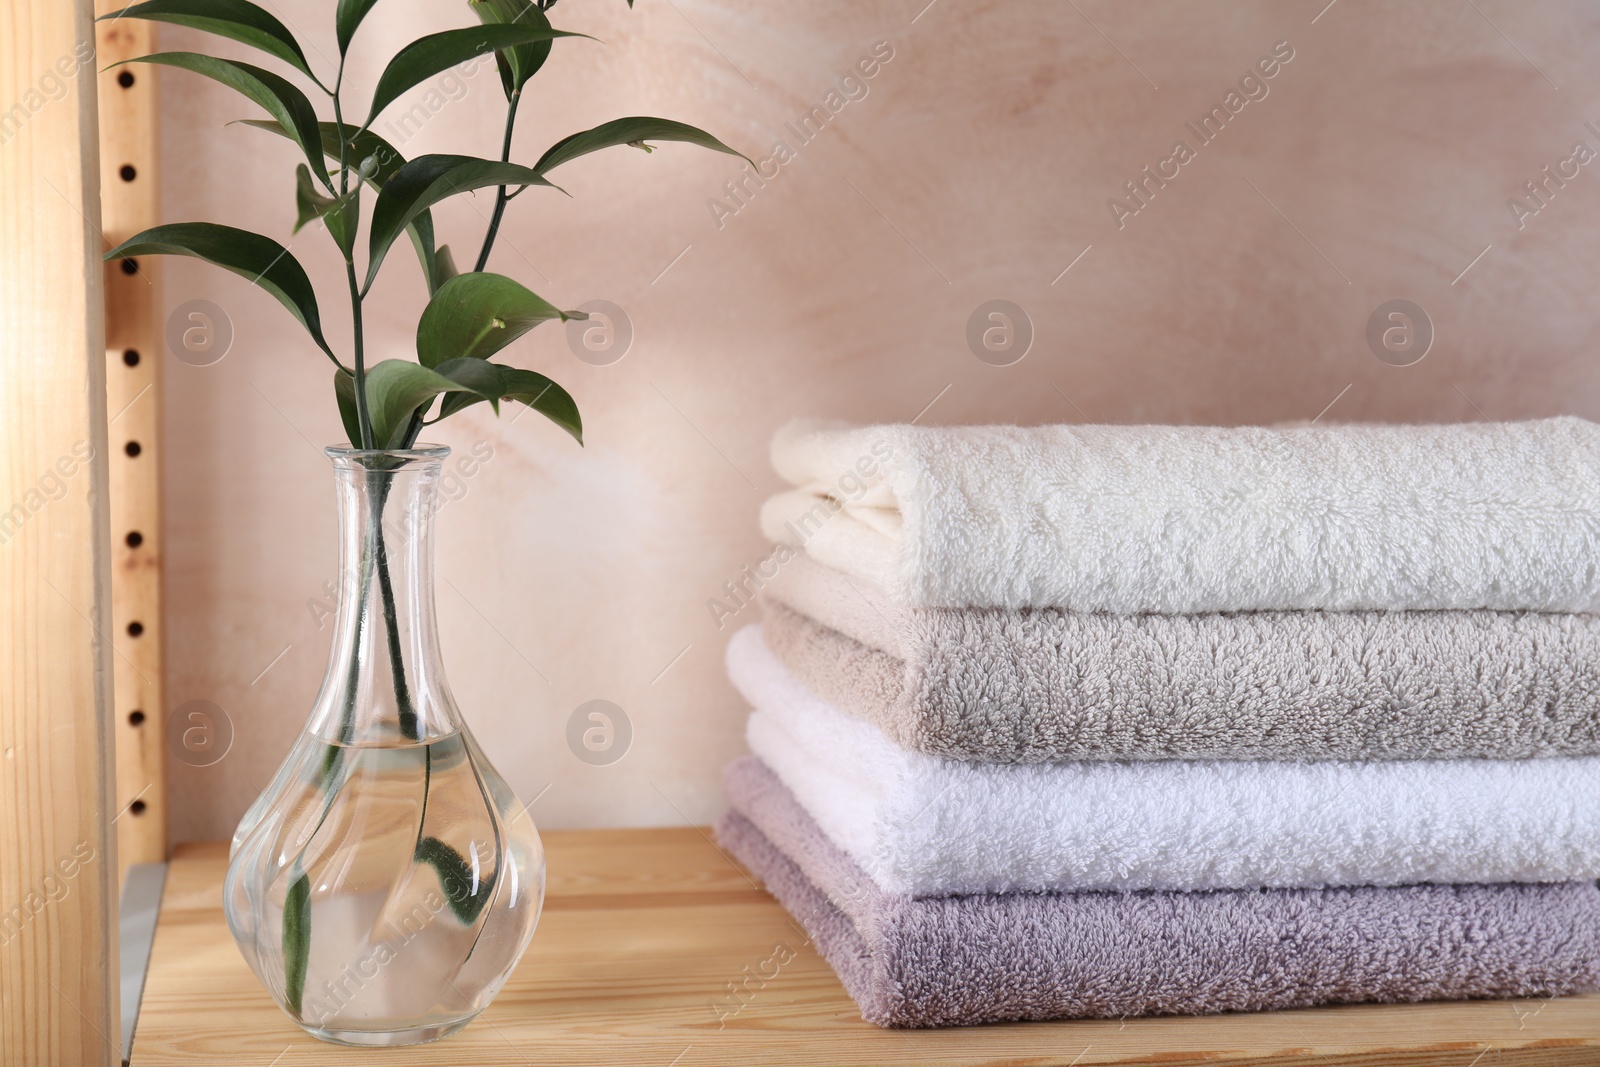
1109,721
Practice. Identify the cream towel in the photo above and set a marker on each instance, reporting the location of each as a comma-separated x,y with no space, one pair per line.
1044,684
923,826
1189,519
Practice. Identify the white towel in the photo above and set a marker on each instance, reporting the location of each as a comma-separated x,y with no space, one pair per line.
1189,519
925,826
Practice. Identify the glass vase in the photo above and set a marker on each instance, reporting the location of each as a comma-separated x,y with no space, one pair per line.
387,881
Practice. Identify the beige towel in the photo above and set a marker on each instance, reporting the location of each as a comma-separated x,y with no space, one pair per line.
1046,685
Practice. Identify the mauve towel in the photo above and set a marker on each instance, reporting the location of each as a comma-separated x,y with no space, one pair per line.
1043,685
1174,519
978,959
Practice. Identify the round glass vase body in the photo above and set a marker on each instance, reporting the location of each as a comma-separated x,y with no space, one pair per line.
387,881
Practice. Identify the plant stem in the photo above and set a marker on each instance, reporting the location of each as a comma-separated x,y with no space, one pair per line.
331,759
344,142
380,490
402,692
374,557
500,196
363,420
417,423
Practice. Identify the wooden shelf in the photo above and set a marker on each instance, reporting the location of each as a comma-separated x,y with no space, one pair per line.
643,932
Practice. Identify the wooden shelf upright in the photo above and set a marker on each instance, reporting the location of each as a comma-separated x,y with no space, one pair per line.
129,202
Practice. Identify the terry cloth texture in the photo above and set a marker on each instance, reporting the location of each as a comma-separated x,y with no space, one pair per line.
1182,519
977,959
926,826
1045,685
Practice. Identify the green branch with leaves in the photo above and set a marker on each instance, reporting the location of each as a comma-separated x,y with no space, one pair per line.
468,317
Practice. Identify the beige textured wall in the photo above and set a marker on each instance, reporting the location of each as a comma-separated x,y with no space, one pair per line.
977,166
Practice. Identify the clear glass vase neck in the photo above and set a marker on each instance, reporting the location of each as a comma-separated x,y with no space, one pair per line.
386,682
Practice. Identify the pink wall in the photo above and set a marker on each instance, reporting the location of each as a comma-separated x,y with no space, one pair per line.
978,164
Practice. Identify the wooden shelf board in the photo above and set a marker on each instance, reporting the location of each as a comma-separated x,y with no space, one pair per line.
644,930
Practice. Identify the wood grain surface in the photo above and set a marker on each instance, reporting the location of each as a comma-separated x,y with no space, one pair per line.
129,199
58,959
644,932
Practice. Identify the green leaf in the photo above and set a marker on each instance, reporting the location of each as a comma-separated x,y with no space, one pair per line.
425,181
477,315
344,391
296,941
467,895
523,61
420,231
342,215
310,205
630,131
395,389
288,105
260,259
237,20
366,148
427,56
365,145
530,388
544,396
478,375
385,161
444,267
348,18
